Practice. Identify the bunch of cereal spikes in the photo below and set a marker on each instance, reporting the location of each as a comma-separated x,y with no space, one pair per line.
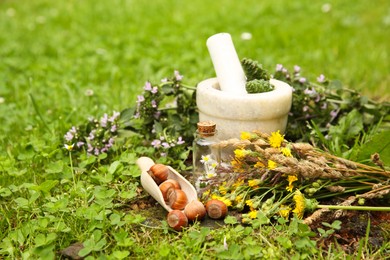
307,161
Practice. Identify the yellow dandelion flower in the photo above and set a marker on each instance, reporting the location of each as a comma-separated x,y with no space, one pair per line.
249,203
291,179
245,136
245,220
299,200
276,139
259,165
284,211
271,165
254,183
210,175
237,165
286,151
238,199
240,153
222,189
252,214
227,202
238,183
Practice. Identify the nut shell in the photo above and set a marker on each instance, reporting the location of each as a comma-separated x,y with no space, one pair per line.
166,188
177,199
177,220
195,210
159,172
174,182
216,209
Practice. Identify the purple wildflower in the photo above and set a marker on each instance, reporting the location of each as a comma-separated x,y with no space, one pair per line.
180,140
68,136
90,148
154,103
113,128
305,108
302,80
91,135
165,145
324,106
154,90
156,143
104,120
334,113
310,92
178,76
140,98
111,141
79,144
279,67
148,86
114,116
297,69
157,114
321,78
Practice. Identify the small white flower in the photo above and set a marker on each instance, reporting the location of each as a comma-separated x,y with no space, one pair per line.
325,8
89,92
214,164
246,36
205,158
69,147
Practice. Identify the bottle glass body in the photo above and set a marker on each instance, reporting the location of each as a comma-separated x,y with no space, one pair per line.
206,158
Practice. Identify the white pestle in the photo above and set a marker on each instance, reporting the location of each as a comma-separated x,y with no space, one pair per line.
227,65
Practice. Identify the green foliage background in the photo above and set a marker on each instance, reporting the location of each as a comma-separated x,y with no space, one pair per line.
57,50
53,52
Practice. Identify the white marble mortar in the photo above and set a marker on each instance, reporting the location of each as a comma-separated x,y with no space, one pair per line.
234,113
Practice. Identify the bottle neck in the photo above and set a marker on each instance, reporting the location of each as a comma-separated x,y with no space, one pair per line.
206,134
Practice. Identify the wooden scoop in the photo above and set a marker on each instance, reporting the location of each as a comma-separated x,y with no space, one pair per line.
144,163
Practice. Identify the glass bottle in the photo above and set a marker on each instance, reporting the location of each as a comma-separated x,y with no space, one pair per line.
206,154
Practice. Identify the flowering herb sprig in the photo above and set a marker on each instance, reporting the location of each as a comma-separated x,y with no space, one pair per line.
97,136
328,114
165,117
270,175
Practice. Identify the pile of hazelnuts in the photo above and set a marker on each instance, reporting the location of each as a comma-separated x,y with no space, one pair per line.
183,211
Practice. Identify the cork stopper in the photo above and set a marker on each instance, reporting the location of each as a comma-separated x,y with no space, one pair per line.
206,128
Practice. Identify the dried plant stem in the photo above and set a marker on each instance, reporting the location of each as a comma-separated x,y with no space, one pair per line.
367,208
347,205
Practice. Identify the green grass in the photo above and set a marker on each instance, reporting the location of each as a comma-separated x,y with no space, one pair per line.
52,52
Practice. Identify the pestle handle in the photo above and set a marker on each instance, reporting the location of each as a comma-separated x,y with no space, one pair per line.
227,65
